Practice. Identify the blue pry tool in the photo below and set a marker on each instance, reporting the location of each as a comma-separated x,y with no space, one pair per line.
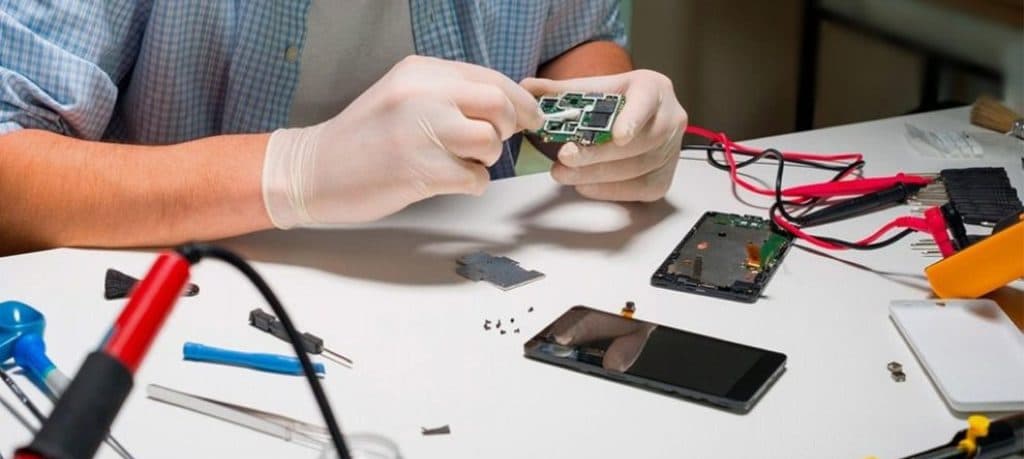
273,363
21,338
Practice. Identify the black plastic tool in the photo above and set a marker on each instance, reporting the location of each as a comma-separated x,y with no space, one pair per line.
312,344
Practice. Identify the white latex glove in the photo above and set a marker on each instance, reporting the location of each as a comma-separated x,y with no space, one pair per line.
640,161
427,127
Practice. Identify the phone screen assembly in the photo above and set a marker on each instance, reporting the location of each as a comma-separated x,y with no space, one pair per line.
730,375
726,256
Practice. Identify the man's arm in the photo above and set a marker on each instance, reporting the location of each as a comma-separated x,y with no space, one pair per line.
444,123
592,58
61,191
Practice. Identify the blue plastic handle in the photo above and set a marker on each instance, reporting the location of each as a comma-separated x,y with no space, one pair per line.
30,355
267,362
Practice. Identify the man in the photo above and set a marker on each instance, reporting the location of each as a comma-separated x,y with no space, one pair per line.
126,123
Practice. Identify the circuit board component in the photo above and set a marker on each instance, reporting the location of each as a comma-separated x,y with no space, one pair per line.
724,255
583,118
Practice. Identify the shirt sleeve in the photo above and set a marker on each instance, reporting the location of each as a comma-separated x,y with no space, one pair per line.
573,22
61,62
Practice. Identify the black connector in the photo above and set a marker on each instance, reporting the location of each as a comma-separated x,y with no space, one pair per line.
263,321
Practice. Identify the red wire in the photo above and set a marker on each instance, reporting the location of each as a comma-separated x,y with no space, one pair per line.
729,147
900,222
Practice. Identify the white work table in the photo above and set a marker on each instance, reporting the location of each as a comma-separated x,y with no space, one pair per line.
387,296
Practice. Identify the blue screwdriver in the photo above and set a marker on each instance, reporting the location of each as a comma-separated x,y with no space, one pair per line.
273,363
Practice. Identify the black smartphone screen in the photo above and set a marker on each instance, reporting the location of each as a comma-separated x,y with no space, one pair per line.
642,353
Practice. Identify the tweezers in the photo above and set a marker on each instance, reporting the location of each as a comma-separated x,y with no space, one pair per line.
283,427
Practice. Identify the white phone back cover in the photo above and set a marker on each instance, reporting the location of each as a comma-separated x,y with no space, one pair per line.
971,350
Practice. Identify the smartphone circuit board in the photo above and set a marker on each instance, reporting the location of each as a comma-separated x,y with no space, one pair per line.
583,118
726,256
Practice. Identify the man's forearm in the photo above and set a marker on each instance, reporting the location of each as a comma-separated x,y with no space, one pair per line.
593,58
60,191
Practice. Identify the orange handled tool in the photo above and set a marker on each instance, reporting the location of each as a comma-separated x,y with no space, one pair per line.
983,266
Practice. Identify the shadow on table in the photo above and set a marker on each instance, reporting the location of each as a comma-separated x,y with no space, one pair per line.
418,256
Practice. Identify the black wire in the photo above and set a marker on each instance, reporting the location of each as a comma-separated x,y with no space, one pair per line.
721,165
780,205
872,246
195,251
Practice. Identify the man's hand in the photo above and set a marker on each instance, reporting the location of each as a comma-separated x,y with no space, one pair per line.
427,127
639,163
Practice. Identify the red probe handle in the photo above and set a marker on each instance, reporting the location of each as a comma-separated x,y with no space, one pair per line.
151,302
854,187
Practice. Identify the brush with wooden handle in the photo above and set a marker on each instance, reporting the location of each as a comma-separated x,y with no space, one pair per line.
990,114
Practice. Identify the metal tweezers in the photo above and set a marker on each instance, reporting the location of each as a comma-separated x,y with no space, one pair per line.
283,427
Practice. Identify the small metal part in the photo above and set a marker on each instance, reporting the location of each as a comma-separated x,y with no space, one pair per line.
896,371
503,332
530,310
628,310
512,320
498,325
487,325
1018,129
515,331
505,273
443,430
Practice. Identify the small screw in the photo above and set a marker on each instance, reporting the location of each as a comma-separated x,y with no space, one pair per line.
512,320
530,310
899,376
515,331
894,367
503,332
498,325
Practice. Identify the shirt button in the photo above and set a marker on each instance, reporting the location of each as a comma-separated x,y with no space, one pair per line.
291,54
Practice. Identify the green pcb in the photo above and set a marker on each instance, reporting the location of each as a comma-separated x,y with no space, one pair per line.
583,118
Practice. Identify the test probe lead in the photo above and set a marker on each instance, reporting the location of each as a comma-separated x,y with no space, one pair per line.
82,416
197,251
868,194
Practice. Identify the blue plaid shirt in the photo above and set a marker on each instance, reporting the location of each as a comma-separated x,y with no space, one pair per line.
167,71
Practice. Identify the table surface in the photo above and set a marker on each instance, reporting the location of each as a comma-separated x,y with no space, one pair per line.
387,296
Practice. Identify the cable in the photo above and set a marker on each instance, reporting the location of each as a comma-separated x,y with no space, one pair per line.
844,164
711,149
780,223
195,251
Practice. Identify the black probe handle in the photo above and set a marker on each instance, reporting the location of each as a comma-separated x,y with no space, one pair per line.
263,321
859,205
83,414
